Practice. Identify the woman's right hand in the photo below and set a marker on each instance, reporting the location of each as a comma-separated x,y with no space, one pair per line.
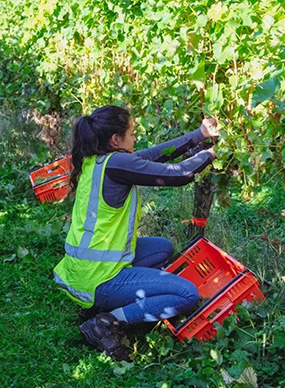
209,127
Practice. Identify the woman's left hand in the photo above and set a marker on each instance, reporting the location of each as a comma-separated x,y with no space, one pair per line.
209,127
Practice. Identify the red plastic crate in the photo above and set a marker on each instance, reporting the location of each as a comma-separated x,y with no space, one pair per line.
51,182
59,167
219,277
53,190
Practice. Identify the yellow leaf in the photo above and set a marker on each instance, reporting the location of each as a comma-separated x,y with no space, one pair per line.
217,11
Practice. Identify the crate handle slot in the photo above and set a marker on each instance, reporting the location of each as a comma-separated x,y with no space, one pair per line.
180,268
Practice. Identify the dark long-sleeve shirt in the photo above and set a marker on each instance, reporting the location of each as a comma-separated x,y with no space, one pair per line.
147,167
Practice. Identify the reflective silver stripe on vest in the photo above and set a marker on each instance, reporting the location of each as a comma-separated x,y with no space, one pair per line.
85,253
97,255
84,296
132,220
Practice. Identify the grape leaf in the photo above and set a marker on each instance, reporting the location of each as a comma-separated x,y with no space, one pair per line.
265,90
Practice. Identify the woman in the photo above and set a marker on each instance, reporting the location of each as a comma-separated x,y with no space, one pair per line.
105,266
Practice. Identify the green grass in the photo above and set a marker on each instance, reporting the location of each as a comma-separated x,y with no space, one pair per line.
254,231
40,343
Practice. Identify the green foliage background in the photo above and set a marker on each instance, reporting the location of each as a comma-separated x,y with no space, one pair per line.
171,62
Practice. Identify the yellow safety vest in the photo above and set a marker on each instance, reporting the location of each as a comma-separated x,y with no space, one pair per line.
101,240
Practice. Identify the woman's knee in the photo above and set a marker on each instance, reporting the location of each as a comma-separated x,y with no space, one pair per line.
194,294
186,289
191,299
191,292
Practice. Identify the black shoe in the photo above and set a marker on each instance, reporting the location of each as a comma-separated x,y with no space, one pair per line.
85,314
102,332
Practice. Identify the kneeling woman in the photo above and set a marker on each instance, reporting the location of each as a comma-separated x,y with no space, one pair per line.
106,267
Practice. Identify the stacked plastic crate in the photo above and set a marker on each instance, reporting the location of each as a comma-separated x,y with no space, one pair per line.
51,181
222,282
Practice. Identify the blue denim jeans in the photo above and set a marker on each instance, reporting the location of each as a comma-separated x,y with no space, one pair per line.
145,293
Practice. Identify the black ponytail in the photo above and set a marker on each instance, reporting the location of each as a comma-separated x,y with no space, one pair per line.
92,134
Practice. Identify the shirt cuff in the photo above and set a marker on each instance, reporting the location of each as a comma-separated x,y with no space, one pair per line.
211,157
